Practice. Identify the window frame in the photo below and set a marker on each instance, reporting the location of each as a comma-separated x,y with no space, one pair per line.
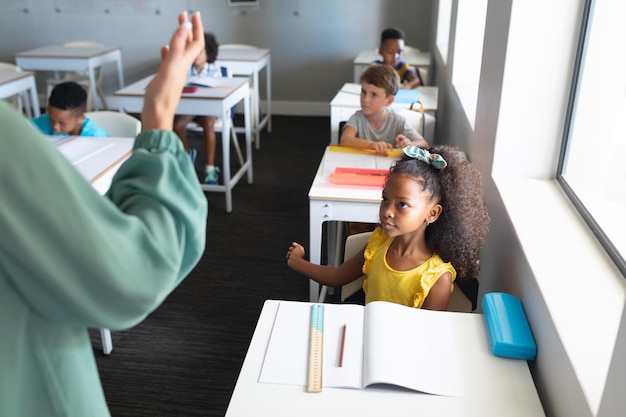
587,216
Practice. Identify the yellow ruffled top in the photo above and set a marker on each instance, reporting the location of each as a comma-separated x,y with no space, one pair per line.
409,288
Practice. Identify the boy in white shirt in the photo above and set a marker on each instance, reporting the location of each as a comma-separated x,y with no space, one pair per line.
376,126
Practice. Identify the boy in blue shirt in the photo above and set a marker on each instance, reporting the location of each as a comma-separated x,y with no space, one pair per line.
65,114
390,49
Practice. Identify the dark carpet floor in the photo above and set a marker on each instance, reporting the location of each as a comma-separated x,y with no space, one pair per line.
184,359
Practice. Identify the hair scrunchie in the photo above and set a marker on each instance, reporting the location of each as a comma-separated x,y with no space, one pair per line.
423,155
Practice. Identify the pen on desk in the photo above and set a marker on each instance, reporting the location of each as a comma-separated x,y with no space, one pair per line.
343,344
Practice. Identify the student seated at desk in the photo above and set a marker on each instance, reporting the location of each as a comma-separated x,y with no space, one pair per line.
391,48
65,115
433,222
204,66
376,126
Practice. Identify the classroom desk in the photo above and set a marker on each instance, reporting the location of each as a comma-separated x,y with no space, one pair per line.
216,101
250,62
494,386
339,202
97,159
21,83
61,58
364,59
348,100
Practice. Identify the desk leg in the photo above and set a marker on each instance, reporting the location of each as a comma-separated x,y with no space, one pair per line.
268,71
120,70
318,214
226,126
248,133
257,105
334,125
107,342
34,100
92,87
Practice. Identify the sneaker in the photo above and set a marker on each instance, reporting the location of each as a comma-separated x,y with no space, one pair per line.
192,153
212,176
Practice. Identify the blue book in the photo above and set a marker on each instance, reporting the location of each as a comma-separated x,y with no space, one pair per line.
404,96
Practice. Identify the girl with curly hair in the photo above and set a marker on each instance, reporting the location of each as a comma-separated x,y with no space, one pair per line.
433,222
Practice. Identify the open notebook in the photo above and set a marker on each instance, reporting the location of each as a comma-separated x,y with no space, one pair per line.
385,343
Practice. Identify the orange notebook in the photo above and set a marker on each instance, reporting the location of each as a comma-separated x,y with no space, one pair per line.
359,176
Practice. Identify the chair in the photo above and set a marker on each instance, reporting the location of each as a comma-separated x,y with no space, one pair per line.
252,96
81,78
423,122
117,124
354,243
193,126
17,100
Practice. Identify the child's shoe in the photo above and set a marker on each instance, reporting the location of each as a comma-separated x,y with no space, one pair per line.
212,176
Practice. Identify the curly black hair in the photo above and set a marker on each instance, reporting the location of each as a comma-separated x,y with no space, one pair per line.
211,47
460,231
68,96
391,33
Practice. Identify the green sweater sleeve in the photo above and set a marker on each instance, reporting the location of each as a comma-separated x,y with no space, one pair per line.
78,258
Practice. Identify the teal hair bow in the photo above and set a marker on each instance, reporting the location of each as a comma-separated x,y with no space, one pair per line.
423,155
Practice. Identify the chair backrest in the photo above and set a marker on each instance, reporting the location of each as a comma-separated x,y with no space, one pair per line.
410,49
117,124
354,243
415,119
237,46
5,66
83,44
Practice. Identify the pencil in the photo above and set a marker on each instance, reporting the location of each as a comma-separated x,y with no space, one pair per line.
343,344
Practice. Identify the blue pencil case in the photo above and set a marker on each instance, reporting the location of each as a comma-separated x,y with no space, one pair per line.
508,328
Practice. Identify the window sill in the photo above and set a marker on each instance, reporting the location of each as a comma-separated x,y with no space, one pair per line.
582,289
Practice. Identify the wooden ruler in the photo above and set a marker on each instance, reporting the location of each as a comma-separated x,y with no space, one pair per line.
391,153
316,348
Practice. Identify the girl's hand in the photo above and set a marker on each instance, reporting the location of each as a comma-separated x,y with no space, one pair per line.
296,250
402,141
163,93
381,148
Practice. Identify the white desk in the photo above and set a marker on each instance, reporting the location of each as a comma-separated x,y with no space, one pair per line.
61,58
216,101
494,386
348,100
339,202
250,62
22,83
364,59
97,159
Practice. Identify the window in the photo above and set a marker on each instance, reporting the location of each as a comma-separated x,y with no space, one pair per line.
468,53
592,166
443,28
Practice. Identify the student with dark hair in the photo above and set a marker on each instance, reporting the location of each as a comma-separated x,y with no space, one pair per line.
433,223
376,126
65,114
203,66
391,49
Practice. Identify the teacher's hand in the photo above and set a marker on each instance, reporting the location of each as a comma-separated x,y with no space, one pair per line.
163,93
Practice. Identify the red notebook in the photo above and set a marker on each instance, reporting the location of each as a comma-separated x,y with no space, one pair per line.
359,176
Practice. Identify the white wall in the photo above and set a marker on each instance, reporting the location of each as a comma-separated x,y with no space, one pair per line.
538,248
313,42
